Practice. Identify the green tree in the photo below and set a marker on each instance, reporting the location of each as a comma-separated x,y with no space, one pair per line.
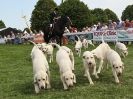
127,13
40,15
77,11
111,15
99,15
2,25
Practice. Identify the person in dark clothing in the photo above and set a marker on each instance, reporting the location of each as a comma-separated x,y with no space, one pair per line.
53,17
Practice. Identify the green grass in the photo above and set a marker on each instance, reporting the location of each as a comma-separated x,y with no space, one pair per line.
16,78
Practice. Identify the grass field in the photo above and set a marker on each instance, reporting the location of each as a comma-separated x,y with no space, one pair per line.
16,78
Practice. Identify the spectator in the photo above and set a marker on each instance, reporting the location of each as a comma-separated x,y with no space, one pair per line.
72,37
104,27
118,25
110,25
127,24
9,41
73,29
131,24
5,39
114,25
99,26
12,35
122,24
89,29
84,29
94,27
2,40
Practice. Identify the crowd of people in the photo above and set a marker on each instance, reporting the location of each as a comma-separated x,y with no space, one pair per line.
22,38
15,38
102,26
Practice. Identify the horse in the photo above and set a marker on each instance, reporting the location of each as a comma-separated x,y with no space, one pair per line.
57,29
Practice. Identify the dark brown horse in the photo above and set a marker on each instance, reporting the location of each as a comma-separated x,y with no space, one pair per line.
58,29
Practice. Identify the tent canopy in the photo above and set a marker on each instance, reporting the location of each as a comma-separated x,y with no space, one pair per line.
8,31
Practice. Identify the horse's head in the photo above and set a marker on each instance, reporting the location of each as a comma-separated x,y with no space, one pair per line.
66,20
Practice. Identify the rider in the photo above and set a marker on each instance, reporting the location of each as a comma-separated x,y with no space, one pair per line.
53,17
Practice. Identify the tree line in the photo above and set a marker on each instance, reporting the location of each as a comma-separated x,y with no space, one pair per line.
78,11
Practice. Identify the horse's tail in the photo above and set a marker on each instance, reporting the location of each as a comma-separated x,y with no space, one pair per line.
57,45
78,37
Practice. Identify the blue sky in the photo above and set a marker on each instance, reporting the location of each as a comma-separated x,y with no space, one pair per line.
11,11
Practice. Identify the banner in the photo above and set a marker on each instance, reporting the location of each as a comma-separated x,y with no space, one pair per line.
108,35
125,35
